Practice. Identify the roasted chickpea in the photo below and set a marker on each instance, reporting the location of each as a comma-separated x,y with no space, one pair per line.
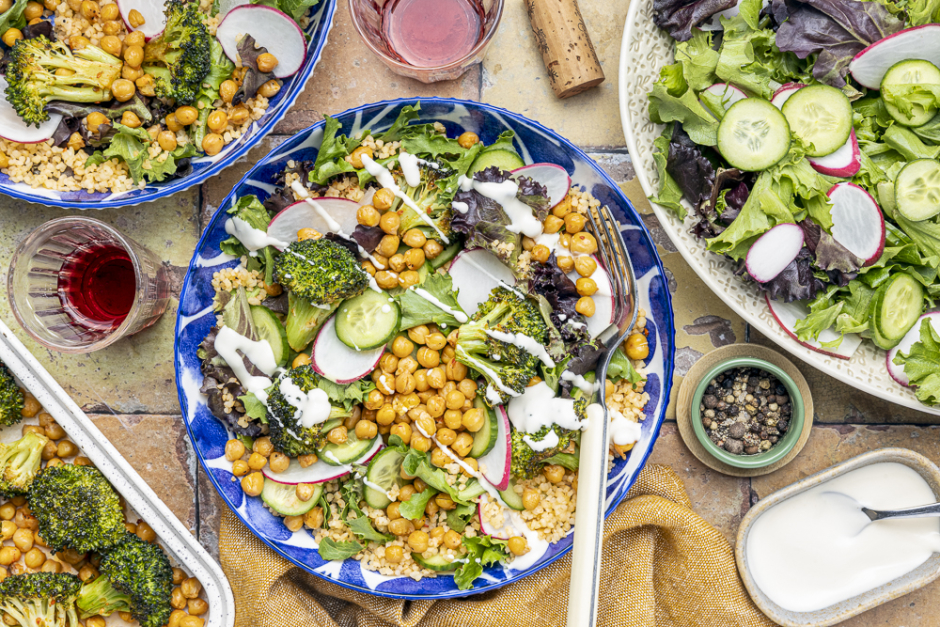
554,473
388,245
402,347
583,243
553,224
355,157
266,62
304,491
435,405
172,123
130,119
436,341
192,621
517,545
7,512
279,462
302,359
227,90
52,5
586,286
383,199
110,12
455,370
7,529
367,215
418,541
468,387
408,278
32,429
414,238
432,249
314,518
217,121
145,85
394,554
112,27
8,555
66,449
240,468
426,424
402,430
455,400
263,446
574,222
6,5
528,243
585,265
123,89
585,306
541,253
135,18
23,540
53,431
131,73
270,89
386,279
338,435
90,10
87,573
468,139
401,527
463,444
428,358
76,42
177,600
396,262
52,566
111,44
436,378
444,502
167,140
253,483
473,419
145,532
95,119
637,346
438,458
420,443
234,449
134,56
32,11
212,144
186,115
414,258
531,498
198,607
257,461
307,460
389,223
366,430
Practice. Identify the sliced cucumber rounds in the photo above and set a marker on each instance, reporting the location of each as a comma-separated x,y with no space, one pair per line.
367,321
917,190
485,439
283,499
912,72
898,305
384,471
510,498
270,328
353,449
821,116
753,135
438,562
502,159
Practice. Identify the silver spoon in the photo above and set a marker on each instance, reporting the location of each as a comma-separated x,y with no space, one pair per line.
910,512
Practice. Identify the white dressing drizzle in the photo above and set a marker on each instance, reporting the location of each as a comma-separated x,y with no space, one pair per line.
313,407
623,431
521,218
251,238
579,382
460,316
386,180
538,407
378,488
229,343
526,343
460,207
549,441
478,365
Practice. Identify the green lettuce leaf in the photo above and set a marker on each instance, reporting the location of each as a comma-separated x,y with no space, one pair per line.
699,59
250,209
417,310
294,8
459,517
348,394
130,146
912,99
922,365
673,100
418,464
920,12
254,408
331,550
669,193
364,530
754,219
482,551
13,17
622,368
413,508
749,58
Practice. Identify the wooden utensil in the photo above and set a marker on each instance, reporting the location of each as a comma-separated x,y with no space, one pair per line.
565,45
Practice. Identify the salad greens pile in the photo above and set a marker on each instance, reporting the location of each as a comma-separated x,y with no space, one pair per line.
753,53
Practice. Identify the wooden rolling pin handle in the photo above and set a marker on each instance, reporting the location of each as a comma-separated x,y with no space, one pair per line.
565,45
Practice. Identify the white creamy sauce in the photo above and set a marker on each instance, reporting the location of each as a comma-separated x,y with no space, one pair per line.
489,372
386,180
818,548
460,316
550,241
313,407
526,343
409,168
377,487
521,218
460,207
579,382
251,238
623,431
549,441
538,407
229,343
537,546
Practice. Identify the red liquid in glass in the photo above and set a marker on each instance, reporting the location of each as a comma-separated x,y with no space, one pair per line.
432,33
97,286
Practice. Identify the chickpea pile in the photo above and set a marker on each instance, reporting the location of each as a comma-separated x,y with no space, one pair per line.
22,550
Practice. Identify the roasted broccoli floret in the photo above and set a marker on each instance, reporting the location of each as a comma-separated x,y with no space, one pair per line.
40,599
320,271
288,435
34,82
485,343
100,598
19,463
180,58
11,398
526,462
434,197
76,508
142,571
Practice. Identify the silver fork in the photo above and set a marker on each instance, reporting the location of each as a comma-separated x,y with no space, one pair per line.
592,474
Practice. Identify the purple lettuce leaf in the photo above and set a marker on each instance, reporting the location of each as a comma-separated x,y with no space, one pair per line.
678,17
796,282
692,172
368,237
551,283
836,30
830,254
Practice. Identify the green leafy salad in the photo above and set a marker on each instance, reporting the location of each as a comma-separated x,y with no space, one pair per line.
805,137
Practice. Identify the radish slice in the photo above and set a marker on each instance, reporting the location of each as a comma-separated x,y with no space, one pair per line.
495,465
786,315
726,93
302,215
14,129
475,274
554,177
784,92
603,300
317,472
271,29
869,66
913,336
857,222
336,361
152,10
773,251
844,163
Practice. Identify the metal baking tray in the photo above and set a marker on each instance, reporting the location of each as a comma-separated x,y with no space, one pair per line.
174,537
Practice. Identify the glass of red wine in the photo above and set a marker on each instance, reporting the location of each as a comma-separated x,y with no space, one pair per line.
77,285
428,40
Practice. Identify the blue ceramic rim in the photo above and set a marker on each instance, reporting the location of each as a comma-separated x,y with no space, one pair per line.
668,326
184,183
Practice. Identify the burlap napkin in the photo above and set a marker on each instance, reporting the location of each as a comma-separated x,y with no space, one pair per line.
663,566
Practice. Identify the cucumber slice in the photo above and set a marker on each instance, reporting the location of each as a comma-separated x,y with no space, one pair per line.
485,439
436,562
911,72
502,159
347,452
270,328
472,490
282,498
510,498
898,305
384,471
753,135
367,321
821,116
917,190
446,255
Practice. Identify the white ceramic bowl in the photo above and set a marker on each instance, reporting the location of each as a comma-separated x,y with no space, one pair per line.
644,51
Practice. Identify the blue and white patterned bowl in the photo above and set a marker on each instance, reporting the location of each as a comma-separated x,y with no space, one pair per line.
536,144
321,21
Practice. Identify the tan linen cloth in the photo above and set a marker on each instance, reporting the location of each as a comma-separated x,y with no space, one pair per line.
663,566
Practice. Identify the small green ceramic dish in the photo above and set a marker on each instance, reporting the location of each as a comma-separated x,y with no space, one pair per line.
784,446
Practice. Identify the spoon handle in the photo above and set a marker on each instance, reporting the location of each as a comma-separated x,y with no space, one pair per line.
912,512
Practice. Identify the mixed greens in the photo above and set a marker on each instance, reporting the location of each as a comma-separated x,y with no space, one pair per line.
821,115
